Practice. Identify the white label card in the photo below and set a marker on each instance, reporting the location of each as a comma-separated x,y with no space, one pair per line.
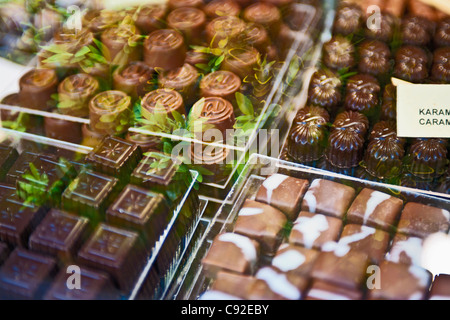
423,110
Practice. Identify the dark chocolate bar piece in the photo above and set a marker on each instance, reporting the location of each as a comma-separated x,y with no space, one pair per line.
8,156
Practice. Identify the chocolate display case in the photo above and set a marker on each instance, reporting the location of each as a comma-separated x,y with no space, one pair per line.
69,208
323,244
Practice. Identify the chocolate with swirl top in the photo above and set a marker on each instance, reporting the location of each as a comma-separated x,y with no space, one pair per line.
255,35
325,89
440,71
265,14
374,57
164,49
183,80
189,21
241,61
133,79
338,53
151,17
411,63
345,148
213,159
110,112
226,27
220,83
163,101
36,88
75,92
117,41
442,35
352,120
220,8
349,19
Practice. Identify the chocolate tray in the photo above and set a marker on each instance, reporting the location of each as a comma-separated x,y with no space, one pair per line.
161,261
195,280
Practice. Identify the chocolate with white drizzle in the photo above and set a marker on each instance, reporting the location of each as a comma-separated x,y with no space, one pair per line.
405,249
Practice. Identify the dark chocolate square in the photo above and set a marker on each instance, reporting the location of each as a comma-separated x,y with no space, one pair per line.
322,290
405,249
90,194
295,259
94,285
22,164
140,210
440,288
59,234
25,274
115,156
284,193
8,156
116,251
4,252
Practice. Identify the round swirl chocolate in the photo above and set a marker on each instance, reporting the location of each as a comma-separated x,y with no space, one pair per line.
110,112
164,49
75,92
348,20
220,83
117,41
265,14
212,113
241,61
352,120
163,101
37,87
440,71
189,21
325,89
73,41
183,80
220,8
255,35
383,158
151,18
338,53
416,31
442,35
133,79
195,58
374,57
99,20
385,32
221,28
411,64
345,148
428,158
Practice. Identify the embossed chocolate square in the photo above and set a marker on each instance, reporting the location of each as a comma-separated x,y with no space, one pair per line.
60,235
421,220
8,156
116,251
25,274
328,197
295,259
93,285
140,210
114,156
90,194
19,167
284,193
262,223
375,209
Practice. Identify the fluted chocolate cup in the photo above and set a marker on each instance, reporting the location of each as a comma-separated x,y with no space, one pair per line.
220,83
189,21
241,61
325,89
227,28
162,101
120,45
352,120
428,158
411,64
220,8
383,158
75,93
349,19
338,53
183,80
151,17
133,79
164,49
345,148
37,87
440,70
266,14
64,130
110,112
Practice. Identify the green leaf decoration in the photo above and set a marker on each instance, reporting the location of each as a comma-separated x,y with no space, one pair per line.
244,104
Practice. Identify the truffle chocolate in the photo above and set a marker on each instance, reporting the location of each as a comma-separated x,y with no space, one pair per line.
328,197
64,130
75,92
421,220
284,193
225,28
294,259
312,230
24,275
265,14
182,79
323,290
400,282
8,155
442,35
405,249
339,53
189,21
60,235
345,148
134,79
121,43
325,89
440,70
376,209
94,285
349,19
440,288
162,101
365,239
220,83
411,64
115,157
263,223
165,49
219,8
428,158
37,87
231,252
150,17
116,251
241,61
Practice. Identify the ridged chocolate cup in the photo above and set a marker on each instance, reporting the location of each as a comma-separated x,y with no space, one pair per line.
440,71
325,89
75,93
220,8
162,101
164,49
442,35
338,53
151,17
383,158
385,33
362,94
349,19
416,31
265,14
374,58
189,21
183,80
352,120
428,158
110,112
133,79
411,64
116,41
345,148
220,83
221,28
37,87
389,103
241,61
63,130
386,129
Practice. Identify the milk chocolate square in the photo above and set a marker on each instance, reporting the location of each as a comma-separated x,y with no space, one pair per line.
421,220
295,259
440,288
405,249
322,290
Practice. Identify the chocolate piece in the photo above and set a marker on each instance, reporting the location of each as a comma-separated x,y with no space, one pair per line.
91,138
121,44
241,61
8,156
352,120
174,4
231,252
338,53
220,83
116,251
151,17
214,160
362,94
182,79
165,49
189,21
6,115
229,285
265,14
401,282
115,157
262,223
25,274
416,31
90,194
212,113
4,252
411,64
385,32
140,210
375,209
162,101
374,57
146,142
325,89
405,249
389,103
440,71
328,197
226,28
312,230
442,35
21,165
421,220
94,285
284,193
47,21
196,58
99,20
383,130
294,259
345,148
60,235
322,290
134,79
37,87
348,20
220,8
74,94
110,112
64,130
383,158
440,288
429,158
